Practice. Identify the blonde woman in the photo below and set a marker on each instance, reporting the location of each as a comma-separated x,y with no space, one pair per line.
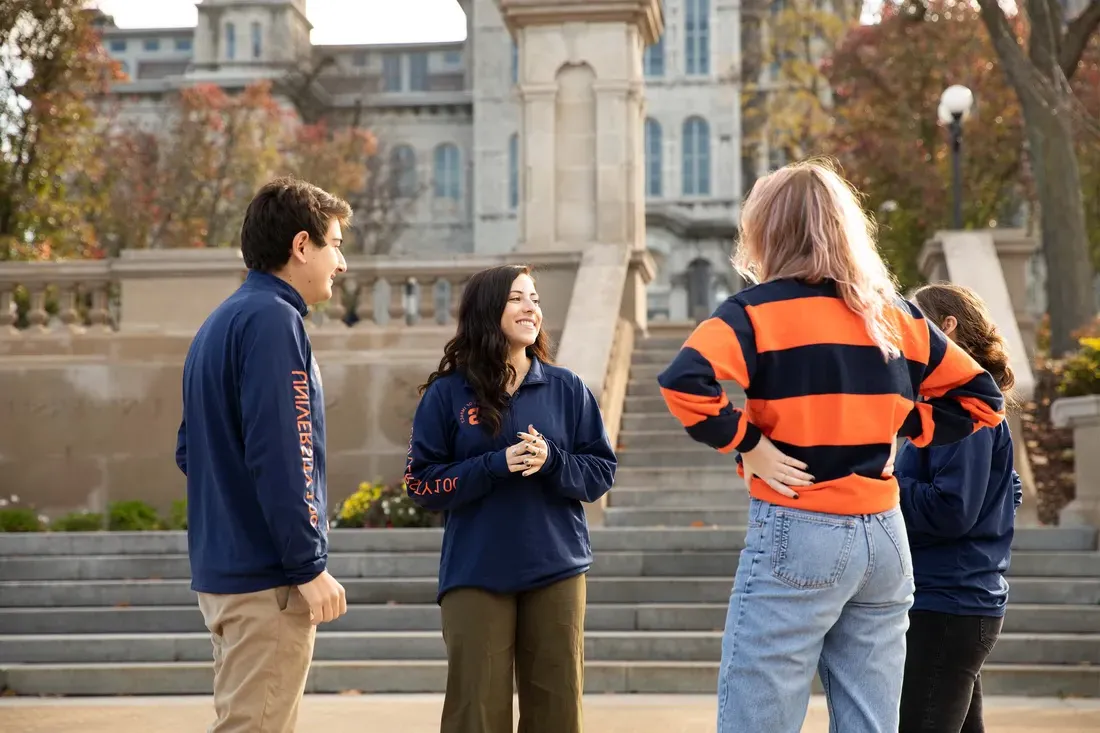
835,366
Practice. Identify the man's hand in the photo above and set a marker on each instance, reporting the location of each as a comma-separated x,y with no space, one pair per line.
775,467
326,598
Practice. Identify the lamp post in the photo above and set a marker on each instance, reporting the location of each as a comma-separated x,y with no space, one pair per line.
955,104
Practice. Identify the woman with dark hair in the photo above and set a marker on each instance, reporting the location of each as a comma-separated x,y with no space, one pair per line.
959,502
508,446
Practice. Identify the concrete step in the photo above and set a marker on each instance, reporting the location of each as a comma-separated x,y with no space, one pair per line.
685,497
604,539
646,440
664,342
648,387
659,358
634,404
599,646
601,589
1022,618
675,517
348,565
676,479
685,455
429,676
650,421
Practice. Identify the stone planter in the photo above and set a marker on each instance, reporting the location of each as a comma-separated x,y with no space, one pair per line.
1082,414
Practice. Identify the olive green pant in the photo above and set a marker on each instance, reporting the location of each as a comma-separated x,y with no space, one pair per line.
539,634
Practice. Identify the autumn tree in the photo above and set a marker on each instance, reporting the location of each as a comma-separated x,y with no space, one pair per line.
186,181
51,65
887,79
786,99
1041,58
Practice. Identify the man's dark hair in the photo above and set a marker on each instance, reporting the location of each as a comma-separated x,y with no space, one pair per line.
280,210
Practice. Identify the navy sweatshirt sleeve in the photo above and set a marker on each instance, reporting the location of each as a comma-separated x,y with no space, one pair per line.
433,478
948,506
275,375
586,471
181,447
1017,491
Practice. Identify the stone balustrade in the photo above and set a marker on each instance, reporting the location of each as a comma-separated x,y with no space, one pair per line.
173,290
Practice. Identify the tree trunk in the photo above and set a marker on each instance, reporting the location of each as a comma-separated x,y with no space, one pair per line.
1070,298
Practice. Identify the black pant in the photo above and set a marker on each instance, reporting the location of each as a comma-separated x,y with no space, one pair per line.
942,691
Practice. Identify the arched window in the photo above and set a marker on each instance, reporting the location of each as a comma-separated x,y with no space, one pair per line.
653,157
447,172
513,172
403,171
697,37
696,157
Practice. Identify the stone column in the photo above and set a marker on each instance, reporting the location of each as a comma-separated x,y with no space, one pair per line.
1082,414
581,82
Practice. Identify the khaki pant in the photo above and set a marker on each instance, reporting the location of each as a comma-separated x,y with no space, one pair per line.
263,644
541,633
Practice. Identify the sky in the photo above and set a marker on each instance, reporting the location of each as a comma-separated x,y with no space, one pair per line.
334,21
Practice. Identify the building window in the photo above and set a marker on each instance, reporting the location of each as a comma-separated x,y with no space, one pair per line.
151,44
391,72
418,72
697,37
452,58
359,58
183,44
696,157
230,41
403,168
257,41
513,172
515,62
653,157
447,172
118,46
653,58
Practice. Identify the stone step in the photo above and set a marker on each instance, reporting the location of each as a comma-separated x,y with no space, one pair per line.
664,342
681,497
601,589
682,455
659,358
646,440
1022,618
350,565
675,479
634,404
675,517
650,421
429,676
667,646
646,387
604,539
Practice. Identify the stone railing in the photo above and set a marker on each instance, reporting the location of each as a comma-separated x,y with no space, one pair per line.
1082,415
615,383
174,290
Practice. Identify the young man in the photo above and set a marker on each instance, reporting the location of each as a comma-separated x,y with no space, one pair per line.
252,445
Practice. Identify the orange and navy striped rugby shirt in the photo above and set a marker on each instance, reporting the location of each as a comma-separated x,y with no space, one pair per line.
821,390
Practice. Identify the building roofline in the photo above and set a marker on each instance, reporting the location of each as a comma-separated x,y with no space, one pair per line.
176,31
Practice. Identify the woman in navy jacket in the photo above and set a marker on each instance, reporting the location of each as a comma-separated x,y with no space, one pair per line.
508,446
959,502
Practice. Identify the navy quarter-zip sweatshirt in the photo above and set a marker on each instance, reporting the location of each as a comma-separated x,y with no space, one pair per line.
252,444
505,533
959,502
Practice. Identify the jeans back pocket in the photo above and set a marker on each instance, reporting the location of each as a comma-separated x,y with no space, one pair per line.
811,550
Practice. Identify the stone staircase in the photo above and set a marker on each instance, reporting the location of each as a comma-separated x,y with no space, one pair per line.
107,614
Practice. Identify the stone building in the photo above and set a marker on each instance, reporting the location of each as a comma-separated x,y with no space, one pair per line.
448,115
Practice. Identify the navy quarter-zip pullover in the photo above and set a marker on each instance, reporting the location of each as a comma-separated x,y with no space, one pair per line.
252,444
503,532
959,502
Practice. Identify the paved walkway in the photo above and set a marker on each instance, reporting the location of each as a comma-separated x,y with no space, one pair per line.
420,714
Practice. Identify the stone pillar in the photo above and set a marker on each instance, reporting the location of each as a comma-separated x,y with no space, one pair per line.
1082,414
581,83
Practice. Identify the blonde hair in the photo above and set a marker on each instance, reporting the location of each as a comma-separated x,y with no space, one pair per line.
804,222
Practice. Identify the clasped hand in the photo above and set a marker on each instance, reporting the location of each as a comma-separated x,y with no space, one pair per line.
528,455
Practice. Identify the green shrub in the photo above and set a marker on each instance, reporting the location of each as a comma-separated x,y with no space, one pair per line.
1081,371
132,516
378,506
177,515
78,522
20,519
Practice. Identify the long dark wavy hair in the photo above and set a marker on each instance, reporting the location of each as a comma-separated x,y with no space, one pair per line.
479,349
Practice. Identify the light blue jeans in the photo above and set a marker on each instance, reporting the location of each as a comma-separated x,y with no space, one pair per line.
816,591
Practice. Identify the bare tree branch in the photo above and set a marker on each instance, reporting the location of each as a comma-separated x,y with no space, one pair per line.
1077,36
